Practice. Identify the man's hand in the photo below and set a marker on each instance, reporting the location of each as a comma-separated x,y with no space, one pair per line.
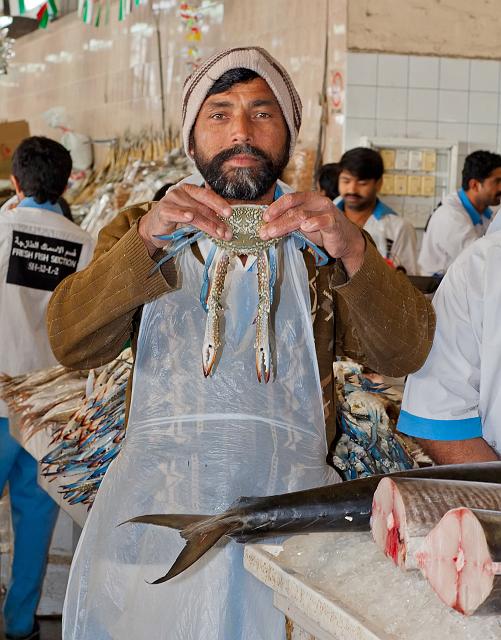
182,206
321,222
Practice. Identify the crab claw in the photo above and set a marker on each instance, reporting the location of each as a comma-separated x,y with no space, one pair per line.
263,364
211,340
208,357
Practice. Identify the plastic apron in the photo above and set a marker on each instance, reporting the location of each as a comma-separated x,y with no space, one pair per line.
194,445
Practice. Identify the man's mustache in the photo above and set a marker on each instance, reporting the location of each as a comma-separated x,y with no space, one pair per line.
240,149
353,195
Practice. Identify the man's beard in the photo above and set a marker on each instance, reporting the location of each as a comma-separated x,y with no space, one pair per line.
241,183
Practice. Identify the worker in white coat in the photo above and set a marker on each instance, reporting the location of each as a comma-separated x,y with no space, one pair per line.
464,215
453,402
38,248
360,180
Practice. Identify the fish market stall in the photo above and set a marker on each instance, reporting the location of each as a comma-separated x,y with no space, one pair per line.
336,586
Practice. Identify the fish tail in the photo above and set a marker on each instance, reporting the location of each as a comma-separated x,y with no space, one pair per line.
201,533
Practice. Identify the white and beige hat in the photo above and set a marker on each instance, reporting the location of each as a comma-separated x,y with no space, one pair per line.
198,84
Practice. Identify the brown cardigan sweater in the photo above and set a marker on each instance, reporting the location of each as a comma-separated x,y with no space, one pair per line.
379,318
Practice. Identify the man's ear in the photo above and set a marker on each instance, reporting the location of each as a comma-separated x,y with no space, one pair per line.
473,184
191,143
379,184
17,186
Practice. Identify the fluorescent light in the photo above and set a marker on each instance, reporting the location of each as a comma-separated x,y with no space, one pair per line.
97,45
143,28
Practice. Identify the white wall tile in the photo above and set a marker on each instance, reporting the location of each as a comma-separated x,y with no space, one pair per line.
452,131
423,104
423,72
485,134
391,128
453,106
362,69
392,70
391,103
484,75
424,97
483,107
355,128
361,102
454,74
483,146
421,129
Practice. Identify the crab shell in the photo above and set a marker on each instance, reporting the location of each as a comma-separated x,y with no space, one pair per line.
245,222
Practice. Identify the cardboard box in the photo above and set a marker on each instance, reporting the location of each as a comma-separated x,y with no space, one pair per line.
11,134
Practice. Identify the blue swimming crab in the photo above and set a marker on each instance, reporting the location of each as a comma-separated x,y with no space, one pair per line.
245,222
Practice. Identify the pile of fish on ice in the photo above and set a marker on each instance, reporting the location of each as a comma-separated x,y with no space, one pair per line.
84,414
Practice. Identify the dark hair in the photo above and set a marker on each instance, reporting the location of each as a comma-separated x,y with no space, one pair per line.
231,77
162,191
478,166
328,179
363,163
42,167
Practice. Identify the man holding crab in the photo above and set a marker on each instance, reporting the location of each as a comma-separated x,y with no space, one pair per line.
196,443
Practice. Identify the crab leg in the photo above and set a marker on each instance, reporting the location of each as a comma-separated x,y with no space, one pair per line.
262,344
180,239
321,258
214,310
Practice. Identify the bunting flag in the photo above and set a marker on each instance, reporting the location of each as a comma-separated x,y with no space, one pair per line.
98,15
43,16
85,10
48,11
124,9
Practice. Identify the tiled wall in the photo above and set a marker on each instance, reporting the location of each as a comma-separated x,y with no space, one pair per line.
423,97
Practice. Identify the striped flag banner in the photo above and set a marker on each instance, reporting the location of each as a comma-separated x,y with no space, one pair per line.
43,16
85,10
34,9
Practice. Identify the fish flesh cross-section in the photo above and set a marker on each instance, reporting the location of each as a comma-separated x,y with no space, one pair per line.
461,559
404,510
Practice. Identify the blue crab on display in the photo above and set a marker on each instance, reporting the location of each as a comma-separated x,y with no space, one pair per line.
245,222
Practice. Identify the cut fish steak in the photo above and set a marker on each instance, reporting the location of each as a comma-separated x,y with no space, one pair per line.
404,510
461,559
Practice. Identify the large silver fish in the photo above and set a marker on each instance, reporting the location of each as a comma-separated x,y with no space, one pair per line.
338,507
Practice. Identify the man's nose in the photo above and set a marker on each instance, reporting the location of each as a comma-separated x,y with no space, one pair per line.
242,130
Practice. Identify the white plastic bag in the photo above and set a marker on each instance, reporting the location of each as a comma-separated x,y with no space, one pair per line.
194,445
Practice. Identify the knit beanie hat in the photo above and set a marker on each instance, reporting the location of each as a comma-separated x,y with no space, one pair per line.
198,84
